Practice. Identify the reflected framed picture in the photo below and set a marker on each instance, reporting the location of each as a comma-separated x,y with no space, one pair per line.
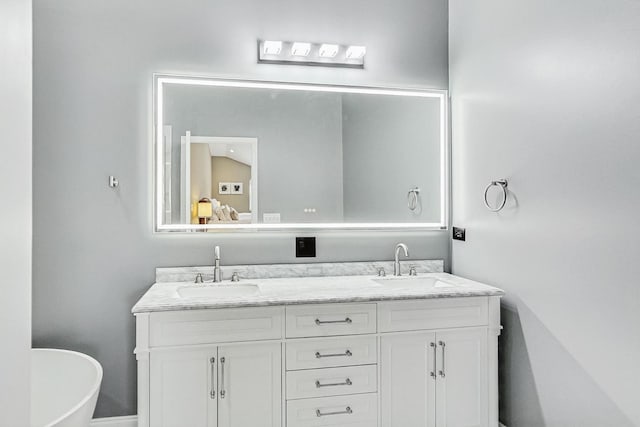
224,188
237,188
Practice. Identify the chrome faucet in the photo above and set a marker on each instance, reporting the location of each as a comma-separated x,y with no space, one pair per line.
396,264
217,274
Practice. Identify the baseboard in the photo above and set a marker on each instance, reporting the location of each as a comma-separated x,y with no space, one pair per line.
130,421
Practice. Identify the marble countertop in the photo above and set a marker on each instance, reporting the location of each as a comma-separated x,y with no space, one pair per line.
164,296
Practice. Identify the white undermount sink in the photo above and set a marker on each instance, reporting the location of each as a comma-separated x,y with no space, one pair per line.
411,282
216,290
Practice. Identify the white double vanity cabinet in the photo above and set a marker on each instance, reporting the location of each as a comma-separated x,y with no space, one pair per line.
321,344
352,352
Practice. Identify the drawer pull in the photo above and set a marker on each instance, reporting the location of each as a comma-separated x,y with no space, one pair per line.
345,354
346,382
347,411
328,322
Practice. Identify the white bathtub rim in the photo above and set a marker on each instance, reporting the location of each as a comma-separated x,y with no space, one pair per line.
94,388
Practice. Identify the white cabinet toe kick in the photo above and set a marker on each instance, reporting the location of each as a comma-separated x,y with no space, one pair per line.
427,363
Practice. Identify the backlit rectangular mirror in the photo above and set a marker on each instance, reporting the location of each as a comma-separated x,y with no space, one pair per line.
246,155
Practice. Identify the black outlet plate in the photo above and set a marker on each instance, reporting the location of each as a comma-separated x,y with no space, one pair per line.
459,234
305,247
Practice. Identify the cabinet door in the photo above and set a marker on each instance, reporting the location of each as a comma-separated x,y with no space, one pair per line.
181,387
250,385
462,386
407,382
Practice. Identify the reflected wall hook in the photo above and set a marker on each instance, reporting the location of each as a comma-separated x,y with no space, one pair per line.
503,184
412,198
113,182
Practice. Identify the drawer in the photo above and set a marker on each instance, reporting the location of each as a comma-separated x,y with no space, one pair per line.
213,326
332,381
330,319
360,410
331,352
432,314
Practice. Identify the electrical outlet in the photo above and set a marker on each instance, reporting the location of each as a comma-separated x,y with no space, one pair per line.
459,233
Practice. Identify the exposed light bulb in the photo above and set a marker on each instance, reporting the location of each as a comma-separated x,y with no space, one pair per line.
356,52
272,47
328,50
300,49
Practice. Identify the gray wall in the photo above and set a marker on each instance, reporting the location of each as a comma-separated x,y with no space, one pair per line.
390,144
546,94
94,250
15,216
299,143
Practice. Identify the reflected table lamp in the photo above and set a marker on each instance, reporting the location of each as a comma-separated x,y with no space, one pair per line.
205,210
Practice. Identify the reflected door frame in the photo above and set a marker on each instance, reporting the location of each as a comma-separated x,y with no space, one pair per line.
185,175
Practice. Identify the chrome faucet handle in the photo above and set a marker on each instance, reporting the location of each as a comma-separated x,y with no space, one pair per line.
199,278
412,270
381,272
235,277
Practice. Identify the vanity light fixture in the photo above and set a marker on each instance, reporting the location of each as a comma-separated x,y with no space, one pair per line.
305,53
300,49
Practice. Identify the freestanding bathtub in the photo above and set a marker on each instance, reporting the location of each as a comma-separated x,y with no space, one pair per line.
64,388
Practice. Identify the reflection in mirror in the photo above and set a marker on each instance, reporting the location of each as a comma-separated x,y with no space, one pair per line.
324,156
221,173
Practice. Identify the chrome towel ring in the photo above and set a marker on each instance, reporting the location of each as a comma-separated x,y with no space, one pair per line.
412,198
502,184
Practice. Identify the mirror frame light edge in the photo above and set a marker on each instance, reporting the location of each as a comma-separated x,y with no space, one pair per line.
158,182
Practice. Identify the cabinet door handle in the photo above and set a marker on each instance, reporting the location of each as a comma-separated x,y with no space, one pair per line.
327,322
345,354
346,382
212,392
347,411
435,349
442,344
223,392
